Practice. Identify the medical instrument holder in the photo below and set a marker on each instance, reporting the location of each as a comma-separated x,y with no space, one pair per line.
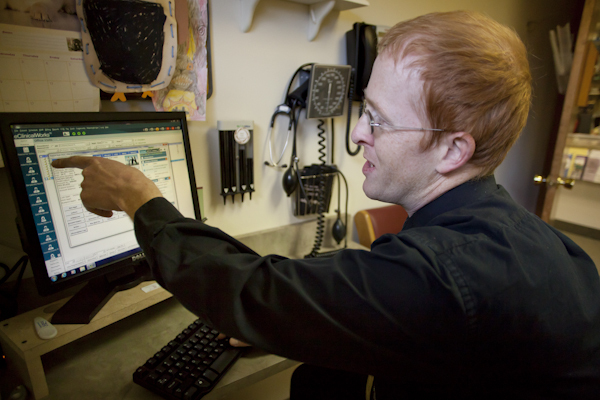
236,152
316,185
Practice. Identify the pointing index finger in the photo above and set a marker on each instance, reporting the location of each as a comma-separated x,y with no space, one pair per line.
72,162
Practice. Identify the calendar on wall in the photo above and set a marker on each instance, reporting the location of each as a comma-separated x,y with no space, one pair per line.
41,70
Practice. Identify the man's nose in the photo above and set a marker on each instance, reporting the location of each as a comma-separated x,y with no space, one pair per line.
361,134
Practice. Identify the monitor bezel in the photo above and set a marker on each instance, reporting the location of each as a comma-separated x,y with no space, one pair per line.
25,220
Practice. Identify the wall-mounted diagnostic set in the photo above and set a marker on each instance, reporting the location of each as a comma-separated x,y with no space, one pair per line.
321,90
237,158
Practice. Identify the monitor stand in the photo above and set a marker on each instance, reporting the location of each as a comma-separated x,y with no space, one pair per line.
85,304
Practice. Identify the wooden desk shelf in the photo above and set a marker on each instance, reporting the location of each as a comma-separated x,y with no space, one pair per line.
24,348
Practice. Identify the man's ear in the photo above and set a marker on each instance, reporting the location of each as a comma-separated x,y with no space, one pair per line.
457,149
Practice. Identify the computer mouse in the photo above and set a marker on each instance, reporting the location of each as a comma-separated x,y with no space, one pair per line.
44,329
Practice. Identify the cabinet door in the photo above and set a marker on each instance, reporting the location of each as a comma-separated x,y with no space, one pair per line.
570,109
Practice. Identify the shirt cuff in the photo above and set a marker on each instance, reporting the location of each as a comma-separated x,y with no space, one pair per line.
152,217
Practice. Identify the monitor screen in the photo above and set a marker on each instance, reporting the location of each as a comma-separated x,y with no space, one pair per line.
66,243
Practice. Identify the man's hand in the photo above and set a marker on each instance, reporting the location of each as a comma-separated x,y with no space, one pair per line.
109,185
233,341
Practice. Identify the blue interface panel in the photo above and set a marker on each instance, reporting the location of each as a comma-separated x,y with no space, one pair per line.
72,239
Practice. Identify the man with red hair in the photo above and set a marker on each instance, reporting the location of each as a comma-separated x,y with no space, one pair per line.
475,298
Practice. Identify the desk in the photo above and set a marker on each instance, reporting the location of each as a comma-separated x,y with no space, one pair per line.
97,360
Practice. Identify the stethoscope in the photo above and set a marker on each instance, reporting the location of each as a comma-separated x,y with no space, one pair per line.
282,109
291,177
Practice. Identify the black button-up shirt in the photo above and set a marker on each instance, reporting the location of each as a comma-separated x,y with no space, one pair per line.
474,298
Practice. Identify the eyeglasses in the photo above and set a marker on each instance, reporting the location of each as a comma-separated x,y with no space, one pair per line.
373,124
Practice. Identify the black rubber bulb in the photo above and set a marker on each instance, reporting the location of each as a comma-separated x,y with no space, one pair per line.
289,181
339,230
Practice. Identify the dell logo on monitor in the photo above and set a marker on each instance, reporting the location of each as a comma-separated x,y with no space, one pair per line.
138,257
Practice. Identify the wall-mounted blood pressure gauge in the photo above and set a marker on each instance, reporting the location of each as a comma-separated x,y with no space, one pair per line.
328,90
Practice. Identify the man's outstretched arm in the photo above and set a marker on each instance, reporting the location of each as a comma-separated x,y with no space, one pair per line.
110,185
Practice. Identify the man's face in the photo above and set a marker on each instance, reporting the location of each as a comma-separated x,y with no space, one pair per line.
397,170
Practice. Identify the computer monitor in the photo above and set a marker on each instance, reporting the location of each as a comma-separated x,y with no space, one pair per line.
67,245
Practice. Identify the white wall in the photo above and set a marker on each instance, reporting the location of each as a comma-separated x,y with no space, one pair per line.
251,72
579,205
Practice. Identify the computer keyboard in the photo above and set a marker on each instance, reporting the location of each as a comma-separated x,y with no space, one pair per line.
189,366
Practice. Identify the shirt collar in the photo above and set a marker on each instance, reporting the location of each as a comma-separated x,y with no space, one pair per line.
454,198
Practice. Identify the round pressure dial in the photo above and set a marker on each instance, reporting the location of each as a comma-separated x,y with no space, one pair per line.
328,90
242,135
